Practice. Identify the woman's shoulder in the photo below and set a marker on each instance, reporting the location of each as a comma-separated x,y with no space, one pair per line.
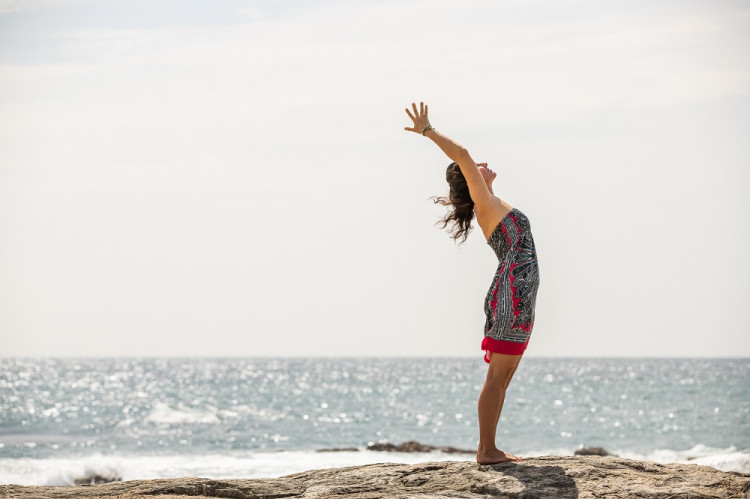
489,217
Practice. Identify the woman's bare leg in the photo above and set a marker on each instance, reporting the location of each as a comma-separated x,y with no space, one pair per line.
490,405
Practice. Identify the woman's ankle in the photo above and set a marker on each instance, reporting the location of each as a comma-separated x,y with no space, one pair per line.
485,449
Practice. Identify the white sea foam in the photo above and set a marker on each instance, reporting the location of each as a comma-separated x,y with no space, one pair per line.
64,471
729,459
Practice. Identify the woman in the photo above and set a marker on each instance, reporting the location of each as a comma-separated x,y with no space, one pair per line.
510,301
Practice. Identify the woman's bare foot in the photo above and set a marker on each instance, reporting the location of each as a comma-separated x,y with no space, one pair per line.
496,456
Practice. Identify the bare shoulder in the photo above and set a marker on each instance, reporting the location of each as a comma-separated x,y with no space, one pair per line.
492,214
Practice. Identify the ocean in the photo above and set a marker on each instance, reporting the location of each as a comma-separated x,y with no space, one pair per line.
63,419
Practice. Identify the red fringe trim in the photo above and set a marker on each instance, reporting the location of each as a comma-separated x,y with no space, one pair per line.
501,346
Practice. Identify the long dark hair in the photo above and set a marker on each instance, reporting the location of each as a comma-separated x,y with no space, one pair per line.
461,211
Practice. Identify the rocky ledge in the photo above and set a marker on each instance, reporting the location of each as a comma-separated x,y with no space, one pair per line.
542,477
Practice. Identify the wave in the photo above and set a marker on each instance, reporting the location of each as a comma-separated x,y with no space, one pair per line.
247,464
723,459
165,414
729,459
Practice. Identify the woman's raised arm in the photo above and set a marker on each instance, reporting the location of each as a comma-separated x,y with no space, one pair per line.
478,190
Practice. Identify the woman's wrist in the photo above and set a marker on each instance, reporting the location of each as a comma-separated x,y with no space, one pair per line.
427,129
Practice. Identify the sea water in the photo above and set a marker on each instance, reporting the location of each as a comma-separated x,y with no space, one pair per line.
61,419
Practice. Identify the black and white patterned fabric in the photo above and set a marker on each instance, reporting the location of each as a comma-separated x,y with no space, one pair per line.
511,299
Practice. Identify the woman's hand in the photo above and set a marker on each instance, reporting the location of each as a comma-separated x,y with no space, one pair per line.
420,119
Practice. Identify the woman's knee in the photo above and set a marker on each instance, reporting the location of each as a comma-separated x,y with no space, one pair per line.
499,381
501,369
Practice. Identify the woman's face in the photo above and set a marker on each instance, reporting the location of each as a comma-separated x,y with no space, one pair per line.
487,174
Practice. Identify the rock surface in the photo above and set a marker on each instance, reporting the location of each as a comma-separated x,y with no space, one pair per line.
97,478
592,451
540,477
412,446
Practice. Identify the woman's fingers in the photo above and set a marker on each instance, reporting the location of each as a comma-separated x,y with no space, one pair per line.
418,117
417,113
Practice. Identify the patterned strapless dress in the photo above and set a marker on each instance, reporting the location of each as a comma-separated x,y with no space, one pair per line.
509,305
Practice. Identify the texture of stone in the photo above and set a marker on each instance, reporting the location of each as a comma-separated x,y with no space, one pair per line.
541,477
97,478
592,451
412,446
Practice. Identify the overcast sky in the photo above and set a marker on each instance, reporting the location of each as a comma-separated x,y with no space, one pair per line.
233,178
